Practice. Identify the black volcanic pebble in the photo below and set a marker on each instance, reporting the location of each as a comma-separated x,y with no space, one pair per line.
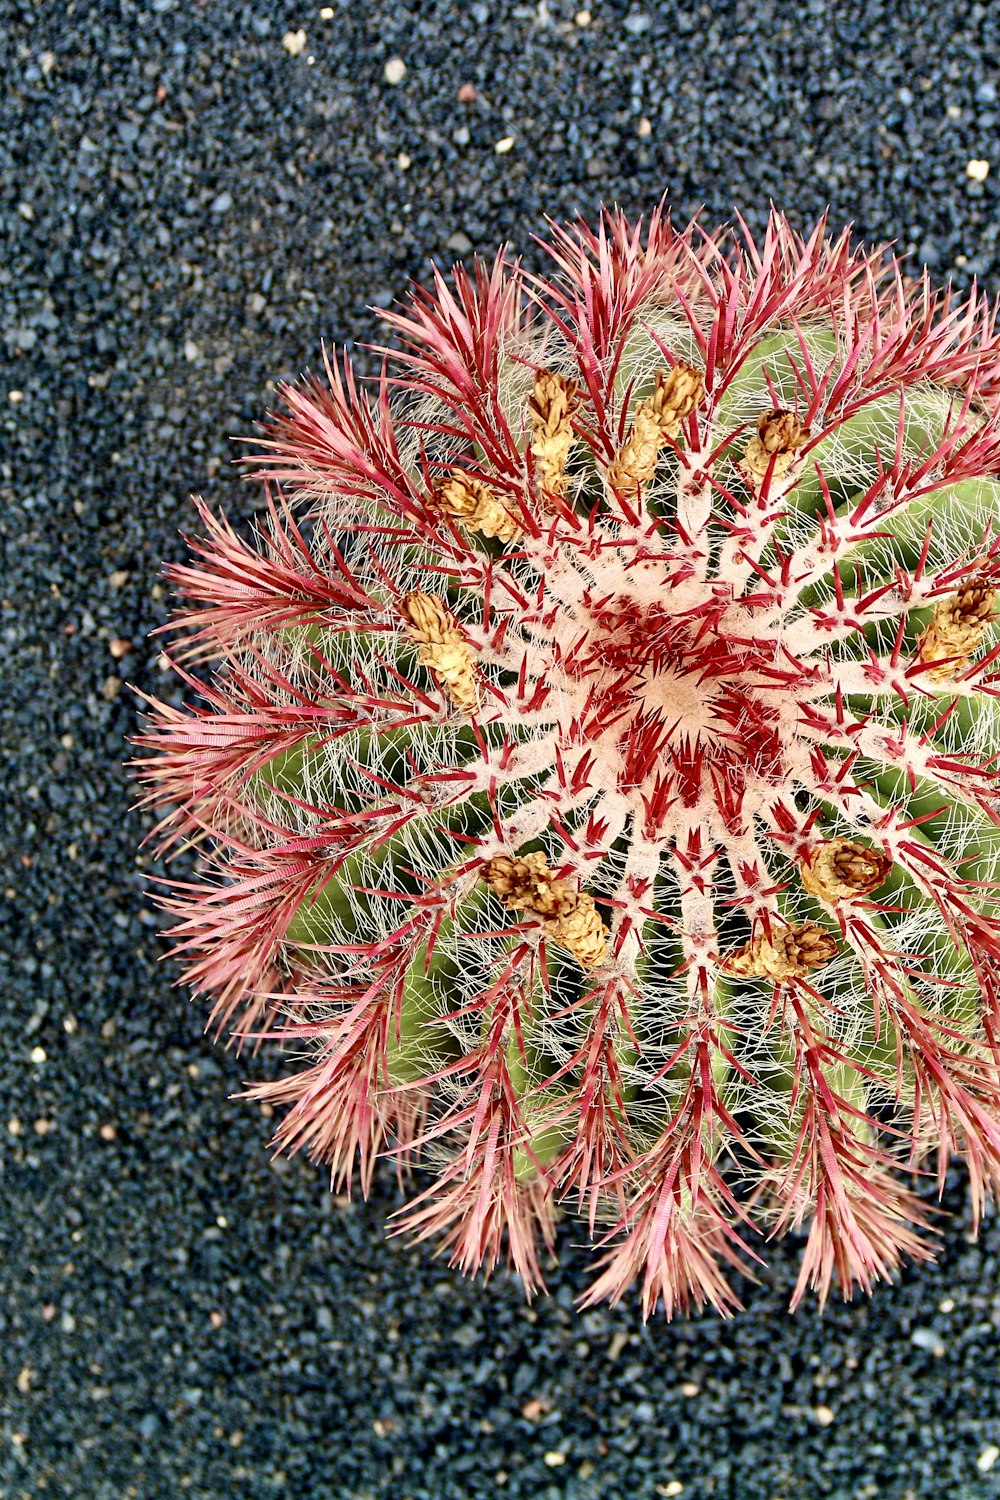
188,209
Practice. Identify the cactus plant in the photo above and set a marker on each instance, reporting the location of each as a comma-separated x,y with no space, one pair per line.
596,778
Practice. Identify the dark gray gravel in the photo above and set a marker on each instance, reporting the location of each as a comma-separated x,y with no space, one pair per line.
187,209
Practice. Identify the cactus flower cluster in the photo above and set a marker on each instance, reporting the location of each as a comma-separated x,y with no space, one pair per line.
592,759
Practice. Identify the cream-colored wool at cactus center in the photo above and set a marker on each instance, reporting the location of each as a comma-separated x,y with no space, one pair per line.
592,760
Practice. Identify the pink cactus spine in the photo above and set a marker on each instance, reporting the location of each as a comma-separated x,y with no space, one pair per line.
596,785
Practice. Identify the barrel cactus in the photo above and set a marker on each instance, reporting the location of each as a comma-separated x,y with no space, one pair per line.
593,759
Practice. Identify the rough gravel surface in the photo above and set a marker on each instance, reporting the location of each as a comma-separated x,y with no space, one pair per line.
192,194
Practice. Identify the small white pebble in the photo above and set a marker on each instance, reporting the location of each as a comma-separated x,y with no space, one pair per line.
954,112
294,42
327,13
978,170
987,1459
15,397
502,147
395,70
689,1389
823,1415
403,161
947,1305
582,18
672,1487
554,1459
47,61
39,1055
644,128
191,351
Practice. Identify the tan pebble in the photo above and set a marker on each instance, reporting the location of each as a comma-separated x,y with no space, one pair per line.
294,42
978,170
119,647
502,147
617,1344
110,688
466,94
394,71
823,1415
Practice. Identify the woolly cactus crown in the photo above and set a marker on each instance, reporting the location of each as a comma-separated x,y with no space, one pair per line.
597,785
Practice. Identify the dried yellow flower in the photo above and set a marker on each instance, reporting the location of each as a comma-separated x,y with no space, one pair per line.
958,625
473,504
635,462
840,869
570,917
678,392
443,648
791,953
657,419
551,408
779,436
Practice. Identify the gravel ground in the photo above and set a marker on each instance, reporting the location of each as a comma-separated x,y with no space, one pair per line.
192,195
